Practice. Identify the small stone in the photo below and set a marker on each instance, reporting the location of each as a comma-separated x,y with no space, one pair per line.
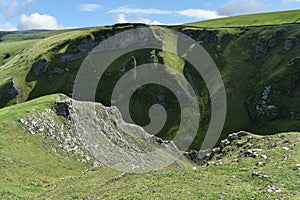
23,121
272,145
264,156
194,168
273,189
285,148
260,164
265,176
269,190
255,174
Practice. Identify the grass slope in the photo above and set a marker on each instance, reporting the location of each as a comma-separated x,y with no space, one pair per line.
225,178
249,59
272,18
30,169
28,166
12,43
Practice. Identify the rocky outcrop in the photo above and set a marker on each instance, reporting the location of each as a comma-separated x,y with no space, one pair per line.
9,92
289,44
264,107
62,109
40,67
12,91
203,156
86,46
98,135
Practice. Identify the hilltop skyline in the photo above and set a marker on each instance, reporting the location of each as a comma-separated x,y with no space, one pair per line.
46,14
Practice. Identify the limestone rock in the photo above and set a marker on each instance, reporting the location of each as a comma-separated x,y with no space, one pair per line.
99,136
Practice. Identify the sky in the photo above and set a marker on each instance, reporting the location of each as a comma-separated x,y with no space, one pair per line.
60,14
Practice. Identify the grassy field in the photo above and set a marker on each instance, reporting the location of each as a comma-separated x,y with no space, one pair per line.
30,169
273,18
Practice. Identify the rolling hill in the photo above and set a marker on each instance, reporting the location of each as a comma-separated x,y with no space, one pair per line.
259,67
258,58
262,19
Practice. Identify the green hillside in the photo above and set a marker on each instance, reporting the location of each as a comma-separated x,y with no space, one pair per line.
12,43
30,168
227,178
258,58
253,62
27,163
272,18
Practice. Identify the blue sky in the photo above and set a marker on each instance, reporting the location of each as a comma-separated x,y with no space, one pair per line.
55,14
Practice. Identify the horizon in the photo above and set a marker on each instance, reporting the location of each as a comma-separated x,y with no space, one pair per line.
21,15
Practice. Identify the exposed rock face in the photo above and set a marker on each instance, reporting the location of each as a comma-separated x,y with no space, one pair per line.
198,157
40,67
84,48
263,107
87,45
203,36
62,109
201,157
273,43
58,71
260,49
71,57
48,124
12,91
289,44
99,136
8,92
